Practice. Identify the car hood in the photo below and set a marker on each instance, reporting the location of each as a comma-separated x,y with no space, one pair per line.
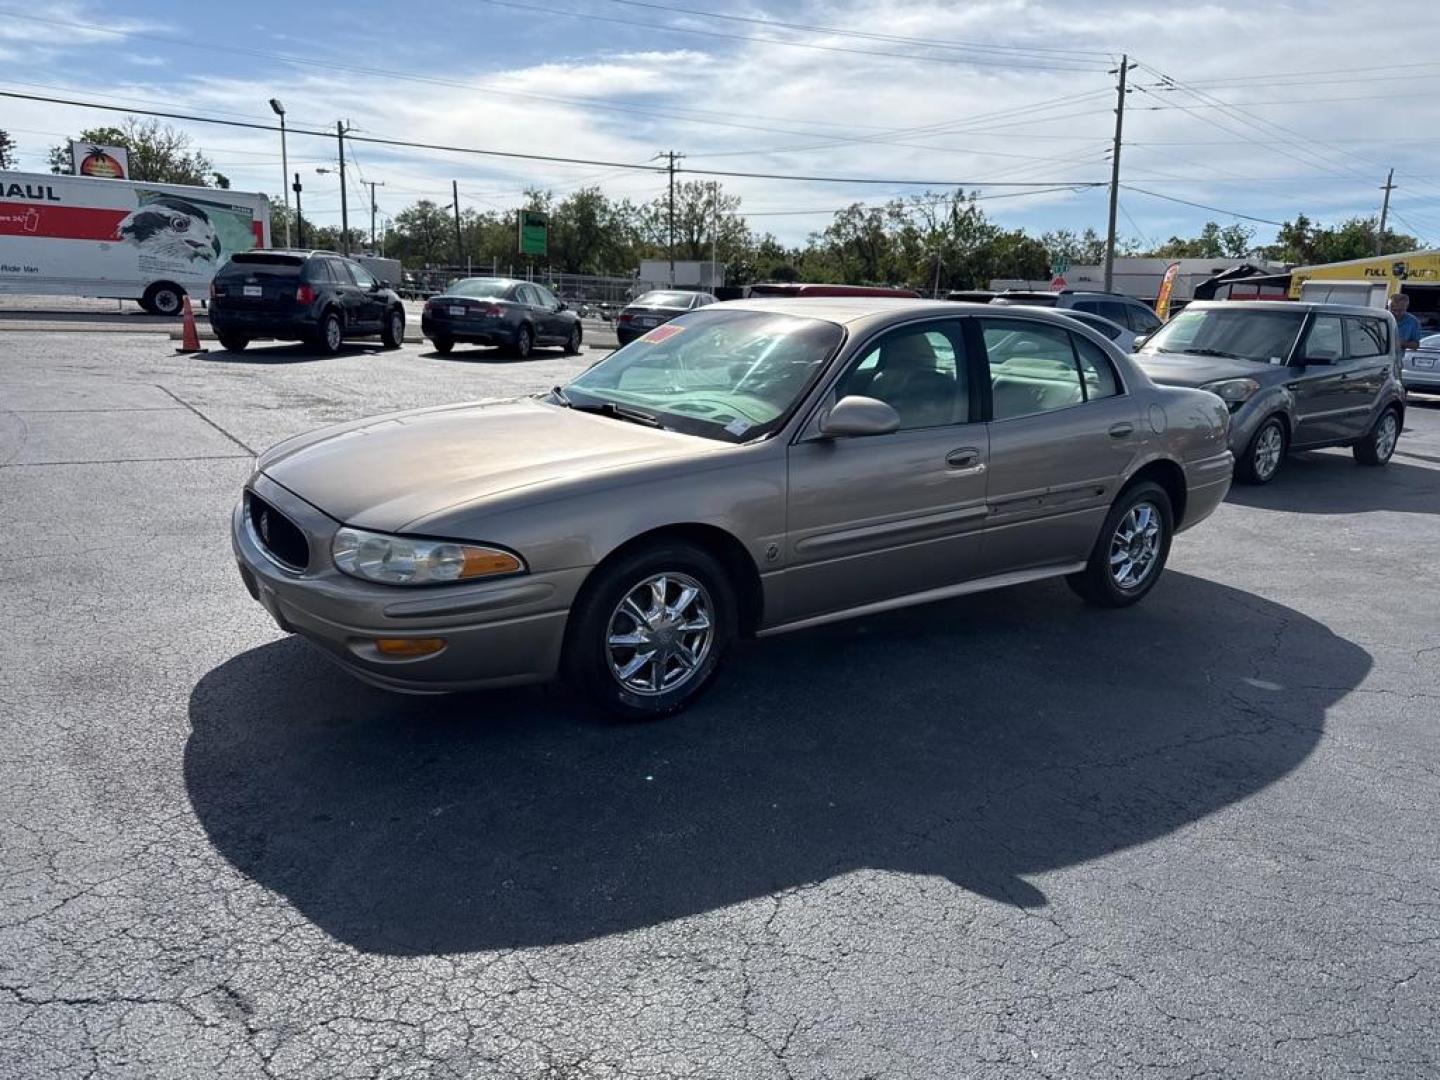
389,471
1182,369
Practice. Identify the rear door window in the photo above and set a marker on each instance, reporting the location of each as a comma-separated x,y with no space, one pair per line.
1032,368
1366,339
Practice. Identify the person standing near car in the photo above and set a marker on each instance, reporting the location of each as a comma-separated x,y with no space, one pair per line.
1407,326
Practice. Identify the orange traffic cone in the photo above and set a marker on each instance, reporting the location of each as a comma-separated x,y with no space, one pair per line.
190,341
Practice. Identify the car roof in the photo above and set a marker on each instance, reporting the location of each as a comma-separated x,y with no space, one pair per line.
853,309
1286,305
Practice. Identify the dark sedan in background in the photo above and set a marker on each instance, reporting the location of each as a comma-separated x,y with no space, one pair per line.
514,315
653,308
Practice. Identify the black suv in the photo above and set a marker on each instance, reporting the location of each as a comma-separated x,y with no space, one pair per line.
311,296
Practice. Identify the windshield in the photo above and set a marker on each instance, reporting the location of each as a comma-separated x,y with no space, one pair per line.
717,372
478,286
1266,337
665,299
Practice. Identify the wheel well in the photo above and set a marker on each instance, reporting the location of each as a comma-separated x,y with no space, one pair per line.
724,546
1170,477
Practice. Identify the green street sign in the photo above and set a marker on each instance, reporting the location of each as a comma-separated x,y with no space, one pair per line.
534,232
1059,265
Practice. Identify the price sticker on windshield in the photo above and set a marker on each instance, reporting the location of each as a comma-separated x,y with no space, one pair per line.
662,333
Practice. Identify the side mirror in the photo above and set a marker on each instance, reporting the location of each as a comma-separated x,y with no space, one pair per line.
562,306
376,286
856,416
1323,359
1140,339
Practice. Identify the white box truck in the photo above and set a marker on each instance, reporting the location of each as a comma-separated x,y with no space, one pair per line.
80,236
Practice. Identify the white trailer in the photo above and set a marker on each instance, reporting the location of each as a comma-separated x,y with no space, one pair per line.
80,236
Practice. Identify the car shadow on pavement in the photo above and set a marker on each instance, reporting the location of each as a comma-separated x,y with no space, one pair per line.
481,355
1330,482
280,352
984,740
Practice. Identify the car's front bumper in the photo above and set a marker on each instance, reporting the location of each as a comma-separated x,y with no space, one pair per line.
499,633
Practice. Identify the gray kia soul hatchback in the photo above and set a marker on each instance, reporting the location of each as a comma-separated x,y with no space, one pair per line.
1295,376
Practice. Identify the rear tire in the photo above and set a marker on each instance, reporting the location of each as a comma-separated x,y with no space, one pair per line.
524,343
1265,453
640,650
331,334
230,343
1378,445
442,345
1130,553
162,298
393,335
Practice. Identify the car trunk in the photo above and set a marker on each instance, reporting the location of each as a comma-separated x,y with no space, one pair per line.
258,282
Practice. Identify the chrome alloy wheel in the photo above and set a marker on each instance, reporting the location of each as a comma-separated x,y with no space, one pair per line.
659,636
332,333
397,326
1386,435
1135,547
1268,449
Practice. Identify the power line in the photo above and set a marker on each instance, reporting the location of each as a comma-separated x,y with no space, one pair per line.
934,200
1200,206
628,166
650,26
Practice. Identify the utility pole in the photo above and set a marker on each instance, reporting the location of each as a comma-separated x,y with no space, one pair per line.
278,107
671,155
714,227
1115,175
299,217
372,185
340,130
1384,213
455,197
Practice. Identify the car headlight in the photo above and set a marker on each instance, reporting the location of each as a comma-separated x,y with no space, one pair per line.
1234,392
406,560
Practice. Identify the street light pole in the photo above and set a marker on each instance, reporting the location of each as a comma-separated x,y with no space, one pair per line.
279,109
299,217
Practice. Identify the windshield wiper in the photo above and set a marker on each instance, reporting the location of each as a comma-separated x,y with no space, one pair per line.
619,412
1215,352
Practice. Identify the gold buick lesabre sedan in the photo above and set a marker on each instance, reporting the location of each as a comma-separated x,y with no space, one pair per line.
748,468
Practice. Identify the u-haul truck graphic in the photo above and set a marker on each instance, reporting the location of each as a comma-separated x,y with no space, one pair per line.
77,236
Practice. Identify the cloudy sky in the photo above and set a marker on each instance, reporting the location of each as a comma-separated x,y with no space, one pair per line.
1261,109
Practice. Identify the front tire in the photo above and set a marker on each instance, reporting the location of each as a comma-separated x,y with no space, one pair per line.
393,334
1378,445
650,630
572,343
524,343
1132,549
1265,453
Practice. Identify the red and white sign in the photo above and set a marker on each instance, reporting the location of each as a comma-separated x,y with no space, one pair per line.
100,162
1058,282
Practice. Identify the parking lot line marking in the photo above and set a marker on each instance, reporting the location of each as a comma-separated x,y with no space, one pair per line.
207,419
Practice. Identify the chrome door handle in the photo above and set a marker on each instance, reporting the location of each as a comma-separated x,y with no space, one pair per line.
1122,431
958,459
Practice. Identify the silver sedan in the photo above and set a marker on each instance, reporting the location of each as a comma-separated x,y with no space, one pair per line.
747,469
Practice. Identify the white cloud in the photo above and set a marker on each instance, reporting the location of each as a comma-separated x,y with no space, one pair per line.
837,113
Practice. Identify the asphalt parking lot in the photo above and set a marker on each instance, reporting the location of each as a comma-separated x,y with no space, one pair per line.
1005,836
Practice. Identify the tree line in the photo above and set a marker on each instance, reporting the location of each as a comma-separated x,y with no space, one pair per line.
933,240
